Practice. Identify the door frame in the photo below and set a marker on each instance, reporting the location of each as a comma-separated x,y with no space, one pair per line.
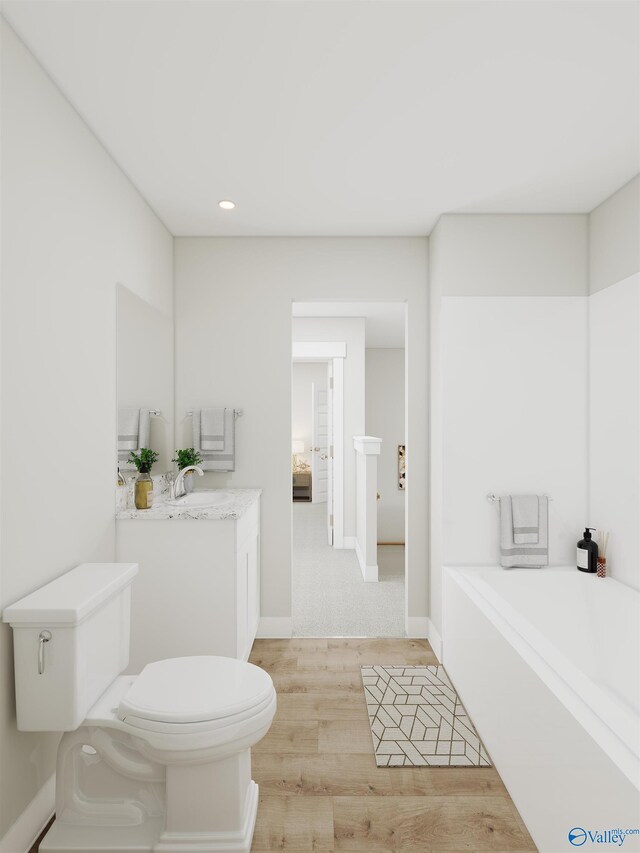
336,352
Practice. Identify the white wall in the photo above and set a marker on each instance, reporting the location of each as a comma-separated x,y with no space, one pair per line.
350,330
367,451
72,227
614,245
233,345
384,370
145,370
513,254
304,375
614,437
614,367
439,258
508,370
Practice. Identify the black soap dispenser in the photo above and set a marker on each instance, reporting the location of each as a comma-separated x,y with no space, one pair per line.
587,553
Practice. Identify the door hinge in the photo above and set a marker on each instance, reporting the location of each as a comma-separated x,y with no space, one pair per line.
331,521
331,384
331,451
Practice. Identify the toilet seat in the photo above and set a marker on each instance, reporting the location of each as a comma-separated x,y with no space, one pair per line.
165,708
195,694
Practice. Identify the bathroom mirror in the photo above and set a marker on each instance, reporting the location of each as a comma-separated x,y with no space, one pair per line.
145,371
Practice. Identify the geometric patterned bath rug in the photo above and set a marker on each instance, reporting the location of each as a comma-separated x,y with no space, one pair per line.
417,719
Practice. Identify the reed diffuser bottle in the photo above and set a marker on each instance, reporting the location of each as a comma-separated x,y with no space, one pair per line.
603,542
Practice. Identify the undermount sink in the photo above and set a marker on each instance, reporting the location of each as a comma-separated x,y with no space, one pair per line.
203,499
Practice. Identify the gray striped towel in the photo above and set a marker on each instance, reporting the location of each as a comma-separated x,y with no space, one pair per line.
526,519
212,426
523,555
128,425
217,460
133,434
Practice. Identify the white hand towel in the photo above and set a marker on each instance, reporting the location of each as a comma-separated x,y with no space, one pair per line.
217,460
212,429
526,525
523,556
133,434
128,426
144,430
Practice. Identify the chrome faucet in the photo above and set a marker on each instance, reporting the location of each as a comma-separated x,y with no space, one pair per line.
177,487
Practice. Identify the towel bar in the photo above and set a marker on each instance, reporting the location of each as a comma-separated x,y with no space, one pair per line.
495,498
237,413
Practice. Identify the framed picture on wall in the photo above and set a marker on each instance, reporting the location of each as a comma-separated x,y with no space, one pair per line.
402,467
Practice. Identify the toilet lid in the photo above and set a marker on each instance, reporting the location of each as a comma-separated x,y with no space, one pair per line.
195,689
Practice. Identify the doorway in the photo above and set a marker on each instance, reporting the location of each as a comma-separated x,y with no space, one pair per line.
348,379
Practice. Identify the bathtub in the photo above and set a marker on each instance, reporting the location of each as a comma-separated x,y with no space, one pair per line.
547,663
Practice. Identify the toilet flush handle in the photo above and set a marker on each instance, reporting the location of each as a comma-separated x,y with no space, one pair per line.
43,638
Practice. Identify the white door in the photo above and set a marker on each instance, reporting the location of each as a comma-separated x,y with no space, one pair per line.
320,443
329,460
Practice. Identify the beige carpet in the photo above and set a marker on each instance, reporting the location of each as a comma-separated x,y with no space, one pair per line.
330,598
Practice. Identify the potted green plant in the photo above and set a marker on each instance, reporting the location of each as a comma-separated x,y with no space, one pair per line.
144,462
183,458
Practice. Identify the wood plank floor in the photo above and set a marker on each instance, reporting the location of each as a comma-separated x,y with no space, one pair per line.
320,789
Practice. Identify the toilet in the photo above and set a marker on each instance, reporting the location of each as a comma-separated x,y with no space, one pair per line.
158,761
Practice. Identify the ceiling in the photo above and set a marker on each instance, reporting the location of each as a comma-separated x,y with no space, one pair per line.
384,321
350,117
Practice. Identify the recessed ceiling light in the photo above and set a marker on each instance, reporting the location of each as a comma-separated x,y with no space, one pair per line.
225,204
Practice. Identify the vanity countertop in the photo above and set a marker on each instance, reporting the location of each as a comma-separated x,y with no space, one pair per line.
239,502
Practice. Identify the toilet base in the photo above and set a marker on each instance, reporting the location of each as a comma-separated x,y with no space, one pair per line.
218,842
149,837
112,797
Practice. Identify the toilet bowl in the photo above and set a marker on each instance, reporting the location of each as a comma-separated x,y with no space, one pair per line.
159,761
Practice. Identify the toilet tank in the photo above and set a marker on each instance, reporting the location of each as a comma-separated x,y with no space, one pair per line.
70,641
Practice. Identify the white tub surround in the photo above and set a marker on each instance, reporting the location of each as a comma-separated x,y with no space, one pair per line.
236,507
614,423
546,663
367,449
516,360
198,589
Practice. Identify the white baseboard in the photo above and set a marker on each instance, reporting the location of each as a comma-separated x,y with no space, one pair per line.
361,561
369,573
348,542
273,628
422,628
435,640
20,837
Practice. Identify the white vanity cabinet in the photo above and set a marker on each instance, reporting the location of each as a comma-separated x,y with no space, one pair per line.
198,588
